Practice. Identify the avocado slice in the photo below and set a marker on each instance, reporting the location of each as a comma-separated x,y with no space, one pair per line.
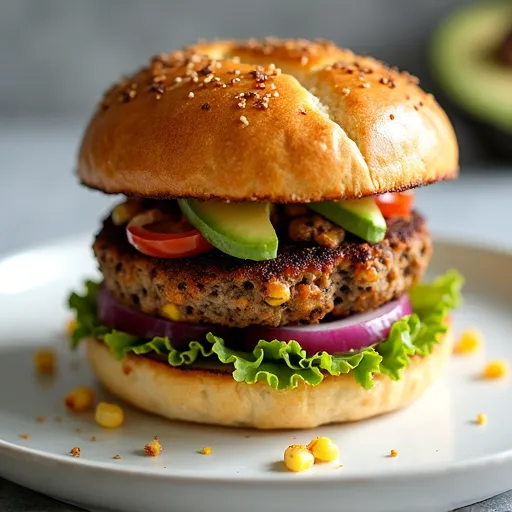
467,60
242,230
362,217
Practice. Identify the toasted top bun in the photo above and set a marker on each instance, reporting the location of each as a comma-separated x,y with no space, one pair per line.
276,120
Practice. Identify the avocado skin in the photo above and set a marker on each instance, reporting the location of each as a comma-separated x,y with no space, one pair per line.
495,139
495,142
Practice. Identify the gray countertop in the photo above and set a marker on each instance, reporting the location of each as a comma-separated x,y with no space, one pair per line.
40,200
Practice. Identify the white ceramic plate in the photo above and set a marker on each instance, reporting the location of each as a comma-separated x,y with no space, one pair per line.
445,460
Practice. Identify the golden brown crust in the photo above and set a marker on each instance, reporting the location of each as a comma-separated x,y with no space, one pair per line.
216,398
209,123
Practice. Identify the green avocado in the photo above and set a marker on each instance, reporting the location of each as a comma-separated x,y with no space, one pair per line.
362,217
242,230
472,62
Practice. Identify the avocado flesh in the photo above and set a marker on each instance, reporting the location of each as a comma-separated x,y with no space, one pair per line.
464,59
242,230
362,217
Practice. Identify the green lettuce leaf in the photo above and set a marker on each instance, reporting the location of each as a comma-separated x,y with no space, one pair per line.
283,365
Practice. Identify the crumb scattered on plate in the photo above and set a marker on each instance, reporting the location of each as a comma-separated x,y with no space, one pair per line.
80,399
154,448
45,362
75,451
24,436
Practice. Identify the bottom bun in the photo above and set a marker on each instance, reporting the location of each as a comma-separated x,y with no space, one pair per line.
212,397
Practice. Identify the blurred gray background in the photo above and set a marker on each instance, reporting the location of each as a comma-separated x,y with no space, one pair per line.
58,56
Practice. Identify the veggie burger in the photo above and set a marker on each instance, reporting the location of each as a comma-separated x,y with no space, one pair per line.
264,268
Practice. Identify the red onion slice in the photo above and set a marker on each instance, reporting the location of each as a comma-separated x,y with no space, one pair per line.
351,333
120,317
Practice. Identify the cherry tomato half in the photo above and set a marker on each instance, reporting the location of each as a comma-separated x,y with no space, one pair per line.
156,235
395,204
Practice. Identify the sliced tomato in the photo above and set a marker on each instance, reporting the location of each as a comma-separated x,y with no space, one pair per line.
155,234
395,204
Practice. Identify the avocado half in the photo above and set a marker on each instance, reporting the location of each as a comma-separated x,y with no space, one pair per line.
468,64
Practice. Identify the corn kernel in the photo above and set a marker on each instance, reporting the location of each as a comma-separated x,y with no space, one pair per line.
154,448
172,312
367,275
206,450
298,458
80,399
481,419
323,449
496,369
125,212
45,362
393,453
277,294
109,415
470,341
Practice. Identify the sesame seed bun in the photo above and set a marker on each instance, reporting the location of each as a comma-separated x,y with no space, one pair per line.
314,122
212,397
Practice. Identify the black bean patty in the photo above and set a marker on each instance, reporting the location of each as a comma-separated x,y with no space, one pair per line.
304,284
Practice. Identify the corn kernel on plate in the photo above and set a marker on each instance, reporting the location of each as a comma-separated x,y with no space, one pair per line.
63,435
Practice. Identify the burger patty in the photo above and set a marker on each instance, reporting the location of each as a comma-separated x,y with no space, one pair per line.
303,285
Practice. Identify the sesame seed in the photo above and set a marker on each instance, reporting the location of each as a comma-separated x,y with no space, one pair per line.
191,94
178,80
303,111
244,120
237,72
158,96
366,85
276,94
236,59
261,85
416,107
420,104
391,116
205,106
304,60
345,91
